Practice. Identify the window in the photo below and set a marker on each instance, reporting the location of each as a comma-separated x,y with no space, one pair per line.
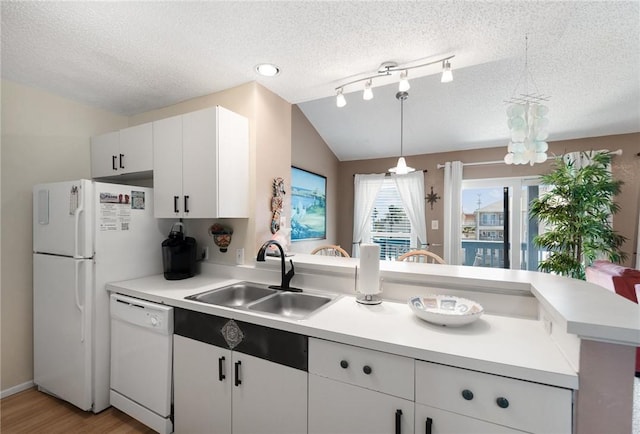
389,225
483,220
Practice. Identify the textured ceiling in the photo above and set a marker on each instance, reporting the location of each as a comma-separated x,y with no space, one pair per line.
131,57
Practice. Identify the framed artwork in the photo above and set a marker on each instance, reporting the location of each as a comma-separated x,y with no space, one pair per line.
308,205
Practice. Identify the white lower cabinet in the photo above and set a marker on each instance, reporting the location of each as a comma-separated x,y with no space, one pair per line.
220,391
430,420
355,390
488,403
340,408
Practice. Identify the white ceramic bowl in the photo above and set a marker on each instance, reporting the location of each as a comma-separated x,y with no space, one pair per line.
445,310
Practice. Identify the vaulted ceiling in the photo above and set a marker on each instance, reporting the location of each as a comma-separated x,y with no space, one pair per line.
131,57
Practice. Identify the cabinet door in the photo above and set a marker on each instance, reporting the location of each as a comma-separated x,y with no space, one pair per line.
201,393
104,154
167,167
340,408
136,149
199,163
430,420
233,164
268,398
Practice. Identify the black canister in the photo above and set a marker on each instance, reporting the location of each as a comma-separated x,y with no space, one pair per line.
179,255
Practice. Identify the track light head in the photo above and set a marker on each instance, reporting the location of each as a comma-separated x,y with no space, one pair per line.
447,75
404,85
341,101
368,93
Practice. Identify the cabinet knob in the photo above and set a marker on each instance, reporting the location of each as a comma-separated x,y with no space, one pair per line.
367,369
344,364
502,402
467,394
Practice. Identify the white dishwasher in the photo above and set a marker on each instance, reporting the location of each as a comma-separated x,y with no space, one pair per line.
141,360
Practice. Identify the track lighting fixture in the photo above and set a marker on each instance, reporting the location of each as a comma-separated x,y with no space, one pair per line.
390,68
340,99
447,75
404,85
368,93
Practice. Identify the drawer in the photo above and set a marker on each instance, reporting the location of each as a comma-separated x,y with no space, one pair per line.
518,404
375,370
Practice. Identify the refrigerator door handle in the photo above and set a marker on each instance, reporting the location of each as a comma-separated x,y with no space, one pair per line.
77,297
76,224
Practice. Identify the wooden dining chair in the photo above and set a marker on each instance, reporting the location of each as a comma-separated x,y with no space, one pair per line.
330,250
421,256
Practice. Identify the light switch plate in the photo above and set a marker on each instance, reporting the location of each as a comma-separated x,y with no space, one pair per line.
435,225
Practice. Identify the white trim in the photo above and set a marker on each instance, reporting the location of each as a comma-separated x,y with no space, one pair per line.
16,389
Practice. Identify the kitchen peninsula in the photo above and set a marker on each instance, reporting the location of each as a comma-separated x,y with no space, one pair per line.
545,345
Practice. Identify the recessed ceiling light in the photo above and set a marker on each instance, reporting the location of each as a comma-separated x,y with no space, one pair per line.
267,69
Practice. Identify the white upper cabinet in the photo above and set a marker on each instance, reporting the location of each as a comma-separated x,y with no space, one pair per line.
104,151
201,165
122,152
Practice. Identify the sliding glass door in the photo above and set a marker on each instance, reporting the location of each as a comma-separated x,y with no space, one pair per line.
497,231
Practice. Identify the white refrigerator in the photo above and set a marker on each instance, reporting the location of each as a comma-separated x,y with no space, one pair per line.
85,234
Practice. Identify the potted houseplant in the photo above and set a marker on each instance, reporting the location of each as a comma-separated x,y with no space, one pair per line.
577,213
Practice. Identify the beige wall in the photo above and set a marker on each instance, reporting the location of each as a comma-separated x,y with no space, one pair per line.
44,138
310,152
625,167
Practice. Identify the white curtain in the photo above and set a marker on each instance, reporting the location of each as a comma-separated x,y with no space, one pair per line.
452,212
366,188
411,190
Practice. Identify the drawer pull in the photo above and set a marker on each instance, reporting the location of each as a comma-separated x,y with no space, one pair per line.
221,375
427,425
367,369
467,394
344,364
237,379
502,402
398,421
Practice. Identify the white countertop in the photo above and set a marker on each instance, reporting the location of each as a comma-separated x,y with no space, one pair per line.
513,347
585,309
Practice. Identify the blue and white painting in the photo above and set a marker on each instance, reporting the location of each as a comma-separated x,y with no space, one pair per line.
308,205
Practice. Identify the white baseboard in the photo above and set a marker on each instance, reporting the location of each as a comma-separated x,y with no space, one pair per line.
15,389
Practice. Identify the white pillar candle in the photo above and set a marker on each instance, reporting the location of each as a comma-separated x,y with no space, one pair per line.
369,279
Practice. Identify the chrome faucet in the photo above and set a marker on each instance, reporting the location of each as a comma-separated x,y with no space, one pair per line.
286,277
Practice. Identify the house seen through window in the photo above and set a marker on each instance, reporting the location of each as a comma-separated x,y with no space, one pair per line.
389,225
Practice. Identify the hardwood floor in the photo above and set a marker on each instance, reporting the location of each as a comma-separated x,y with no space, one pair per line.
36,412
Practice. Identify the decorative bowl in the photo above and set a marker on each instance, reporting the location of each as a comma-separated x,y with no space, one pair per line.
446,310
222,241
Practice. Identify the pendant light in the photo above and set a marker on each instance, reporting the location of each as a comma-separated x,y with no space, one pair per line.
401,168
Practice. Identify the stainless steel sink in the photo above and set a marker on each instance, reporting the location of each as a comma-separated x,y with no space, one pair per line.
260,298
237,295
295,305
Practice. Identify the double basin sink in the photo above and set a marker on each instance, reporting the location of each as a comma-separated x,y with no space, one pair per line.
260,298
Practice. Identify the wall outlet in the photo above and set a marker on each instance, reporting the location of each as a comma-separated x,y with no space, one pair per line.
205,253
240,256
435,225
